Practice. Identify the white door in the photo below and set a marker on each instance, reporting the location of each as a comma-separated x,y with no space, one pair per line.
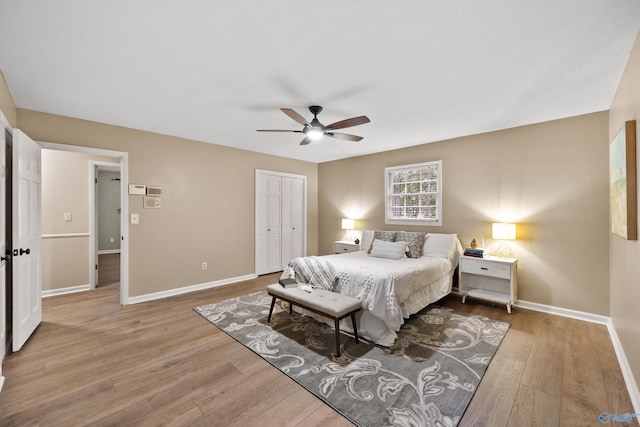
3,242
275,223
292,219
27,270
280,220
298,217
268,223
262,224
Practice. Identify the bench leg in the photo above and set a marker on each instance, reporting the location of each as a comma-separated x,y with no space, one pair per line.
273,302
355,328
337,337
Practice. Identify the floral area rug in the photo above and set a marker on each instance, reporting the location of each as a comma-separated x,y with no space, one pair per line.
427,378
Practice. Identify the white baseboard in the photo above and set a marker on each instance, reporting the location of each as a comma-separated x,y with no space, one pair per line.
564,312
109,251
62,291
632,386
187,289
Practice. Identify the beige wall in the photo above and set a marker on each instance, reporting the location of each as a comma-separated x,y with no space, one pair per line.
550,178
625,254
7,106
65,188
207,212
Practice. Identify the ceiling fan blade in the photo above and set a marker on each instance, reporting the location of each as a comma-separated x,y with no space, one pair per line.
295,116
346,136
305,141
354,121
277,130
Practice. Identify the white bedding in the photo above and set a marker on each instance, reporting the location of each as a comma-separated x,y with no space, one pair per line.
384,284
390,290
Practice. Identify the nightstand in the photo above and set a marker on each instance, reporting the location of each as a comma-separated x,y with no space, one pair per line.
343,247
489,278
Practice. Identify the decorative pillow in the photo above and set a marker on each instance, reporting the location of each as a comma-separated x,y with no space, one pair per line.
391,250
367,240
440,245
385,236
414,240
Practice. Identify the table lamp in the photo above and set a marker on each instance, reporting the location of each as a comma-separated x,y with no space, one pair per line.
349,224
503,231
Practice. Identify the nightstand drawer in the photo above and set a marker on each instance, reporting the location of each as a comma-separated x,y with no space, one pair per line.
345,247
485,268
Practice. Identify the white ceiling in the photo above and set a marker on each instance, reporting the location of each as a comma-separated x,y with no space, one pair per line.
217,70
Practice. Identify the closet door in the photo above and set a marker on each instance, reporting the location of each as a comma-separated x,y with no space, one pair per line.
262,236
268,223
280,220
292,219
275,223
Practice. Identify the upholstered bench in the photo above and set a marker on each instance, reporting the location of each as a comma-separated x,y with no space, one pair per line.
326,303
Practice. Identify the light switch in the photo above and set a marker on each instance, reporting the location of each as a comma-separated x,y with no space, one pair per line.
67,217
135,218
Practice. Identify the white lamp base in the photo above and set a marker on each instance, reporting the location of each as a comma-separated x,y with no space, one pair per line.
504,250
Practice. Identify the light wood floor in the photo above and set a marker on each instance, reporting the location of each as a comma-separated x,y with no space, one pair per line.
94,362
108,270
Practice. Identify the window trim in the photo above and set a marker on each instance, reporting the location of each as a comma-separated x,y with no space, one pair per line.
388,171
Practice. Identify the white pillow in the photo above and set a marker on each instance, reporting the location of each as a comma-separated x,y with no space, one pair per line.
367,239
391,250
440,245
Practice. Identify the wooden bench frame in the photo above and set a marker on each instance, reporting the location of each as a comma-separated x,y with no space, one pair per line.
337,320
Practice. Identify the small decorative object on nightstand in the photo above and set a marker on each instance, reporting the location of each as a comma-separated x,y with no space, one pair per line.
343,247
490,278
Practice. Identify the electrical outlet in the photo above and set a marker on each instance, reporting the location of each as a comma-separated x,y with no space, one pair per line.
67,217
204,265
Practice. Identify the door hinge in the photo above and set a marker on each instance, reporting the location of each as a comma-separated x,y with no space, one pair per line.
96,266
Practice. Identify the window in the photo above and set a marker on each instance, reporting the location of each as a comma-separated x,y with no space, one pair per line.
414,194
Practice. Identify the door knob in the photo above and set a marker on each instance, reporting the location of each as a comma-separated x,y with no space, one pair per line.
25,251
7,257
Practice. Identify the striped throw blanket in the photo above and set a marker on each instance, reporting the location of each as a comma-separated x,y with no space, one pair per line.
312,270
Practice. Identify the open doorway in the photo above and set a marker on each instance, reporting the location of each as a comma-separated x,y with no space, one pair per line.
111,161
107,214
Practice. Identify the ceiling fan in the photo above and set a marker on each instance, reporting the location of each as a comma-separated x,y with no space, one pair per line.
315,130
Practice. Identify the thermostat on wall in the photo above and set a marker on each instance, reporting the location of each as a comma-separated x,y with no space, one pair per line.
137,189
152,202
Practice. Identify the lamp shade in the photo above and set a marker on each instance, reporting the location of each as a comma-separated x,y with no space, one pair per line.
503,231
348,224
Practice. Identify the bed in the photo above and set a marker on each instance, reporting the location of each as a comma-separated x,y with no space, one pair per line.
395,275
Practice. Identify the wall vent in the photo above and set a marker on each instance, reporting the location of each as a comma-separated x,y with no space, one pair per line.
154,191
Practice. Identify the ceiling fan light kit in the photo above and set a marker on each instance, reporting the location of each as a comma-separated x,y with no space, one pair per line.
315,130
315,134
